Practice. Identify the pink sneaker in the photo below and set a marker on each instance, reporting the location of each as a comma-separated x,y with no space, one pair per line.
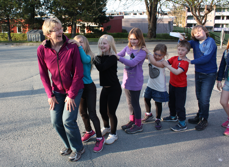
99,145
225,124
226,132
87,136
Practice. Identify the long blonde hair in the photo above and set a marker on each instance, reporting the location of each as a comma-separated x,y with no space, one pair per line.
86,48
139,36
110,41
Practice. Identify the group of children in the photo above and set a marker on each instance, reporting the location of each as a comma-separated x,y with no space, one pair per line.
133,57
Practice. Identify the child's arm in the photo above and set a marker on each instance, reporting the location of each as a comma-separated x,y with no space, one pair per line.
152,59
123,52
154,62
173,70
210,51
106,65
222,67
220,73
133,62
84,57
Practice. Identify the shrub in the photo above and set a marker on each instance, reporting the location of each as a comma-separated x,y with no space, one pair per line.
124,31
14,37
119,35
165,36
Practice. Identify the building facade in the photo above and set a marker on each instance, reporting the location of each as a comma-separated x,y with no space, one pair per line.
217,20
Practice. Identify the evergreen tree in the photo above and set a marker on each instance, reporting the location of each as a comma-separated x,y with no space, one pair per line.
10,15
33,12
78,12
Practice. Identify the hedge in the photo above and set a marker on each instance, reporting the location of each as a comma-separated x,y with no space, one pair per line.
14,36
23,37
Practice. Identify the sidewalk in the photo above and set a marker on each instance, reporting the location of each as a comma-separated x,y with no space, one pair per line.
27,137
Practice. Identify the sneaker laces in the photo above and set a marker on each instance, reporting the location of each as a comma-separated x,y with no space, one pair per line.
97,143
202,122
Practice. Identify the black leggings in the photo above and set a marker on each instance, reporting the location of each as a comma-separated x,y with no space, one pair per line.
88,102
158,106
109,100
132,98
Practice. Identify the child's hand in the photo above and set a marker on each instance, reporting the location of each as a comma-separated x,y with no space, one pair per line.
43,43
165,63
186,59
117,57
219,85
145,49
72,41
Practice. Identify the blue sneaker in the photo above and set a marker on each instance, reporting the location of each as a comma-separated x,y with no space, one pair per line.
179,127
169,118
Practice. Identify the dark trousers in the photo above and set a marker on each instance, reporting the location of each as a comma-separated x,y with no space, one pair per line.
88,103
109,100
177,99
204,86
158,106
132,98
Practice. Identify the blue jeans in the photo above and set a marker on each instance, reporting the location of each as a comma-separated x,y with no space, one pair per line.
65,122
204,86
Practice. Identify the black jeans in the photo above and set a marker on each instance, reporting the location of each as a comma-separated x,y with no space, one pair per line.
109,100
177,99
88,102
158,106
132,98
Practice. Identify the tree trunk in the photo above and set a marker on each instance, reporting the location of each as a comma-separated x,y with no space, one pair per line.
8,25
73,27
152,20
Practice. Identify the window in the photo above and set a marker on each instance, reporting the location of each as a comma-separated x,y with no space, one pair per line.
218,10
19,29
217,17
4,28
190,18
189,25
217,25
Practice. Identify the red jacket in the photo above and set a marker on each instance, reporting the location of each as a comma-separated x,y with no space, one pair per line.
65,67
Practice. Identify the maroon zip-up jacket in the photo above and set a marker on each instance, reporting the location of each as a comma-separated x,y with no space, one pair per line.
65,67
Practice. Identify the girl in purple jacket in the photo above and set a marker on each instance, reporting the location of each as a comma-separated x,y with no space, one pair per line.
132,56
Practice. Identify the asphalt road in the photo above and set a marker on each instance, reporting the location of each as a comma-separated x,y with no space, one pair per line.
27,137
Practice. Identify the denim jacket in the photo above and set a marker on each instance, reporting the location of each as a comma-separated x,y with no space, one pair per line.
223,68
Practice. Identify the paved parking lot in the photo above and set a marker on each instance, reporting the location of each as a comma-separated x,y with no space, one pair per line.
28,139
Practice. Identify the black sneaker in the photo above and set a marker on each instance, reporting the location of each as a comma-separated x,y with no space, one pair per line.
202,124
148,118
169,118
179,127
127,126
134,129
158,125
65,151
194,120
75,156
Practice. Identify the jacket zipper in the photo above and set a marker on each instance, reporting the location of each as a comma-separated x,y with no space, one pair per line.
59,72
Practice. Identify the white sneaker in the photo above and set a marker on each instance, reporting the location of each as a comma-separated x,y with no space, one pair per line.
105,131
111,139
